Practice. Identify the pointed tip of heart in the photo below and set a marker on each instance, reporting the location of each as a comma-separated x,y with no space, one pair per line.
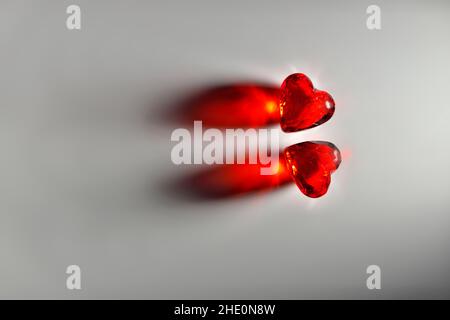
311,164
302,106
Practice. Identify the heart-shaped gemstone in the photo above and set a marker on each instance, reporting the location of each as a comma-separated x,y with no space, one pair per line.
311,164
302,106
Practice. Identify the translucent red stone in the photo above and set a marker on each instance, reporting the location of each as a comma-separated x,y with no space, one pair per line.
302,106
311,164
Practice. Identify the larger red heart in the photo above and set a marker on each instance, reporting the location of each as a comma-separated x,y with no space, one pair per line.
311,164
302,106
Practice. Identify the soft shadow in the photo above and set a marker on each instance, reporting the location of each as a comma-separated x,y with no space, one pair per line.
228,181
237,105
232,105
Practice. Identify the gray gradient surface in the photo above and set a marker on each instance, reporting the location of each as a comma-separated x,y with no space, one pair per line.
83,155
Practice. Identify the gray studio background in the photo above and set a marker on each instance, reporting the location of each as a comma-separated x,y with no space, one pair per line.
83,154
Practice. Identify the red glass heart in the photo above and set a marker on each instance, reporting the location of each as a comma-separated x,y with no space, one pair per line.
311,164
302,106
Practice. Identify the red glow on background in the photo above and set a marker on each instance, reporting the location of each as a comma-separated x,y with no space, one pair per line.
230,106
229,180
346,154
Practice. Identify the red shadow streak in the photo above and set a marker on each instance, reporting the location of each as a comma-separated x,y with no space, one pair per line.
237,105
230,181
240,105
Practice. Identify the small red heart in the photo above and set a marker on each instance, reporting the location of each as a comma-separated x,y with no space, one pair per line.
302,106
311,164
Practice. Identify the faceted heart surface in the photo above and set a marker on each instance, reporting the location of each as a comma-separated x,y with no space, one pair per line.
302,106
311,164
